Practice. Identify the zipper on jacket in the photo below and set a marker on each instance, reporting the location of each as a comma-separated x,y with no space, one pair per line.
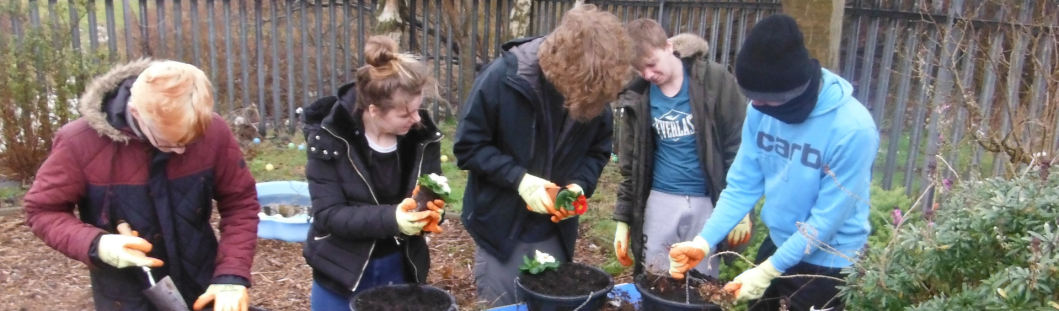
533,138
419,170
350,157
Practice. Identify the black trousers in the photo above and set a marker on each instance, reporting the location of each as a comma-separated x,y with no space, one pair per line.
799,293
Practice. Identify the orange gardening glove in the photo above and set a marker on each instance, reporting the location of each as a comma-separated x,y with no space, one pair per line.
126,249
410,222
621,244
559,213
225,297
684,256
751,284
741,233
437,210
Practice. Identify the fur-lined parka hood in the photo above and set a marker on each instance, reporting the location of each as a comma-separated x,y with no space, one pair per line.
689,45
93,101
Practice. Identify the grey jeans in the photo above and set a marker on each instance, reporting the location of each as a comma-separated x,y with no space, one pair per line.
495,280
670,219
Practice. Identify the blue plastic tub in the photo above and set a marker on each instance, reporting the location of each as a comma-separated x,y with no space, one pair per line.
276,227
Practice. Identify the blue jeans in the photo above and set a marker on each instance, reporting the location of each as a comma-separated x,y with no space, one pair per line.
379,272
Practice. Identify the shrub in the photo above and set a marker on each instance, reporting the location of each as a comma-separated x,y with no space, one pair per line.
992,246
883,203
39,87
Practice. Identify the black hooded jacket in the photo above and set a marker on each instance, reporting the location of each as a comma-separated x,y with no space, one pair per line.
349,218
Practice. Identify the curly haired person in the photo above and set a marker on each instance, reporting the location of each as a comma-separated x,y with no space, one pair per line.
537,117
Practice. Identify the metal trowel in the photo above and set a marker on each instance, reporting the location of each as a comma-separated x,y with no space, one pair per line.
164,294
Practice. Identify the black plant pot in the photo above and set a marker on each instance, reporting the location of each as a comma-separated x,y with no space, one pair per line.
651,302
424,290
536,301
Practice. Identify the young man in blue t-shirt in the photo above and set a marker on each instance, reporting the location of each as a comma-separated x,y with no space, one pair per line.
809,150
682,126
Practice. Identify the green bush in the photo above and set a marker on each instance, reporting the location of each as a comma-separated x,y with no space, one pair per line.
992,246
883,203
41,77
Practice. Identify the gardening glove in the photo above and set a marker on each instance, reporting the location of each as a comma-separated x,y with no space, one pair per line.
534,191
559,213
225,297
686,255
437,211
621,244
741,233
126,249
409,222
751,284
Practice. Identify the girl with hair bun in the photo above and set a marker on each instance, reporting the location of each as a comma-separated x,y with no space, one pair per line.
367,146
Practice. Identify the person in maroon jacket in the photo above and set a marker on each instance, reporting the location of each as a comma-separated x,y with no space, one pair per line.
149,151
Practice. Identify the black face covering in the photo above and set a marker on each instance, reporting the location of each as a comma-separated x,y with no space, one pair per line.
797,109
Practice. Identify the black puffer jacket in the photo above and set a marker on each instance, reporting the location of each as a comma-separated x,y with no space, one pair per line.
348,218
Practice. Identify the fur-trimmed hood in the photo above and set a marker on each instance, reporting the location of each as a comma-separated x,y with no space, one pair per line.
93,102
688,45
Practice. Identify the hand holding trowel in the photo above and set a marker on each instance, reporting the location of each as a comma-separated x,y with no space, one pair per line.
163,294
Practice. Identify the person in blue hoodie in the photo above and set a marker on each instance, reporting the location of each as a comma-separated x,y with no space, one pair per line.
808,146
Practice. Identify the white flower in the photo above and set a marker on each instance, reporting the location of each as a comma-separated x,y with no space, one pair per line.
544,258
441,181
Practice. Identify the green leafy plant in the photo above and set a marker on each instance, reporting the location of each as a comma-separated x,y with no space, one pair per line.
568,201
883,204
992,245
540,263
41,77
438,184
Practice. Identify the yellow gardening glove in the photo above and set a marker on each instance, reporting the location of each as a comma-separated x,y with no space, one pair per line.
225,297
621,244
751,284
686,255
741,233
533,191
409,222
122,251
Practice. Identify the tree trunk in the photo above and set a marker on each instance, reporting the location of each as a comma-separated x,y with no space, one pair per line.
520,19
821,23
468,58
389,20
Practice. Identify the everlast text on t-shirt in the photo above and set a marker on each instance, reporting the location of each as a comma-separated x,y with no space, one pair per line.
677,169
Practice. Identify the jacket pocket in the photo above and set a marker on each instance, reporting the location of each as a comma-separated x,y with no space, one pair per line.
339,259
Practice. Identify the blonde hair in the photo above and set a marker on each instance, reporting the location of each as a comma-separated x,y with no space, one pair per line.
389,74
587,58
648,35
176,98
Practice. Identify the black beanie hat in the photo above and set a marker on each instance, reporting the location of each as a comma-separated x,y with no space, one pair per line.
773,63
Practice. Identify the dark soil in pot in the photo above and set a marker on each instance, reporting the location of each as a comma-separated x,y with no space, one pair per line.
572,286
423,196
404,298
660,292
568,280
